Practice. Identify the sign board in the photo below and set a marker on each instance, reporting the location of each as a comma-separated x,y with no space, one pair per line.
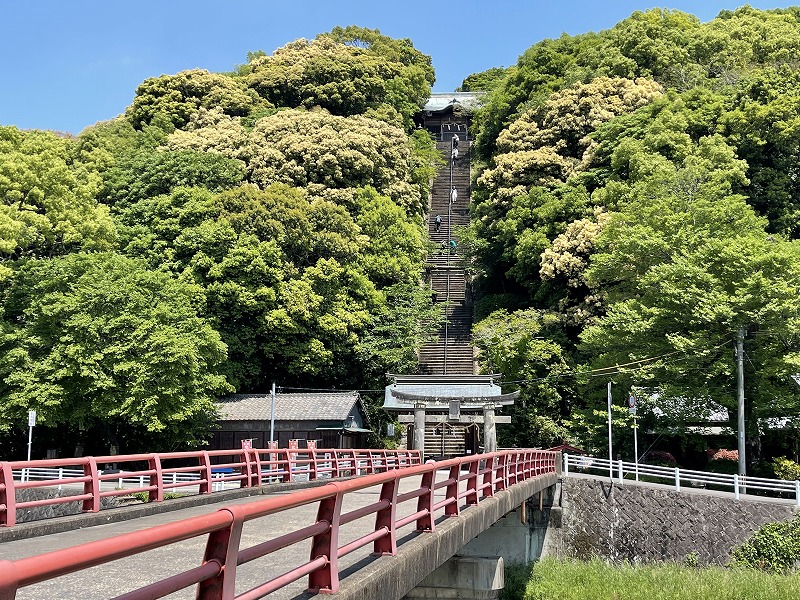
455,410
247,444
390,429
632,403
31,418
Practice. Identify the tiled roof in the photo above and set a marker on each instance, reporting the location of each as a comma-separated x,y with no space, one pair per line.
468,100
444,387
326,406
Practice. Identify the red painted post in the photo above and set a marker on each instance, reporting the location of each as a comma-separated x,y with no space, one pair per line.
9,579
502,480
335,472
205,473
222,546
287,465
472,483
257,475
312,454
92,486
488,476
247,480
387,517
156,479
451,492
326,545
425,502
8,496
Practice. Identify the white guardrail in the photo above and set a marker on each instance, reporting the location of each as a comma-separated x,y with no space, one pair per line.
42,474
617,470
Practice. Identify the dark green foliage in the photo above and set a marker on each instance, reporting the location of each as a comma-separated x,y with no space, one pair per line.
774,548
93,337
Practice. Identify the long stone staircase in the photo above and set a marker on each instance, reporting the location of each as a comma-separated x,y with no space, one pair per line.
452,352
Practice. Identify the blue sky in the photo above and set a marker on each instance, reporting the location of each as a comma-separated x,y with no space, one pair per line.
68,64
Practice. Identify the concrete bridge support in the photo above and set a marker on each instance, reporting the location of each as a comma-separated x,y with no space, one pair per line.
522,535
463,577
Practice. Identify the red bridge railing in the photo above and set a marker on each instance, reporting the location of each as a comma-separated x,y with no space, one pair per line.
465,480
191,472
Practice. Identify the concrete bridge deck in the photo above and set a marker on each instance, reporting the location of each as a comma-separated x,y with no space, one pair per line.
362,574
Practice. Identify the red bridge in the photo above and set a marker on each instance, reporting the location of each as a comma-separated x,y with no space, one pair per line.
374,535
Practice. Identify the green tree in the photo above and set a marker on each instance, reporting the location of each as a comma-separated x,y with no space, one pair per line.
98,338
172,100
524,346
48,201
321,152
348,71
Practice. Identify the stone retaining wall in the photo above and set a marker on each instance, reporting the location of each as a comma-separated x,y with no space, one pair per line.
27,515
648,523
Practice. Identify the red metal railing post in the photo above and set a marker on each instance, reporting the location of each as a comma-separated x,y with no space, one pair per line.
156,479
9,581
472,482
425,502
8,496
326,545
488,476
287,465
91,486
206,475
222,547
451,492
501,483
387,517
312,466
257,469
335,472
247,479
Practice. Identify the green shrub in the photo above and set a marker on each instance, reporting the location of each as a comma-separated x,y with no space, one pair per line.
516,576
145,496
785,468
774,548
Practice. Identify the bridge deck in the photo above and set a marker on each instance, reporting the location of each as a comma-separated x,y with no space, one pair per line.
126,574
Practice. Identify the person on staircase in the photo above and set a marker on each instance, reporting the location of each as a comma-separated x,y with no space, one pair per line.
437,223
455,154
453,195
455,141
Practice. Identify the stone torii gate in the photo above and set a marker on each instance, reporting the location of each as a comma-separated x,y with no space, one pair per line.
432,403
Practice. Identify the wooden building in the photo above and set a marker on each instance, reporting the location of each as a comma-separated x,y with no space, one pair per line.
333,419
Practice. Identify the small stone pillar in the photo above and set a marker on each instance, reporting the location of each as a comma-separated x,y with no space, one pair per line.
489,429
419,429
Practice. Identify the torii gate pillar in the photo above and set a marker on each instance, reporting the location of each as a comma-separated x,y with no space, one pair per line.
419,429
489,429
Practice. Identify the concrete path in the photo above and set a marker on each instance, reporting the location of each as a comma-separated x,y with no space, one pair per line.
124,575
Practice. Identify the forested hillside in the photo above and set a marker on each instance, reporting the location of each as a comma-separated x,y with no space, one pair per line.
229,230
637,203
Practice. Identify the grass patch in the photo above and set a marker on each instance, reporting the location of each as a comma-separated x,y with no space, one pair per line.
595,580
145,497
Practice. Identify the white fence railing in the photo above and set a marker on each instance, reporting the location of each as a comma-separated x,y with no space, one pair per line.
45,474
618,470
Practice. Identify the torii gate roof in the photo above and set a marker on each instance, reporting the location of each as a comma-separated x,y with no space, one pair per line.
436,392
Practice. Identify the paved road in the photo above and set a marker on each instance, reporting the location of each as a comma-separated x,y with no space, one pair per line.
118,577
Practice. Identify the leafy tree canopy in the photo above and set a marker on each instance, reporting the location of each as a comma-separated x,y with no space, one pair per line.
348,71
92,337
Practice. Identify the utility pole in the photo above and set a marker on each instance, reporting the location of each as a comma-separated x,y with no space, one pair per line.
272,418
610,455
740,395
